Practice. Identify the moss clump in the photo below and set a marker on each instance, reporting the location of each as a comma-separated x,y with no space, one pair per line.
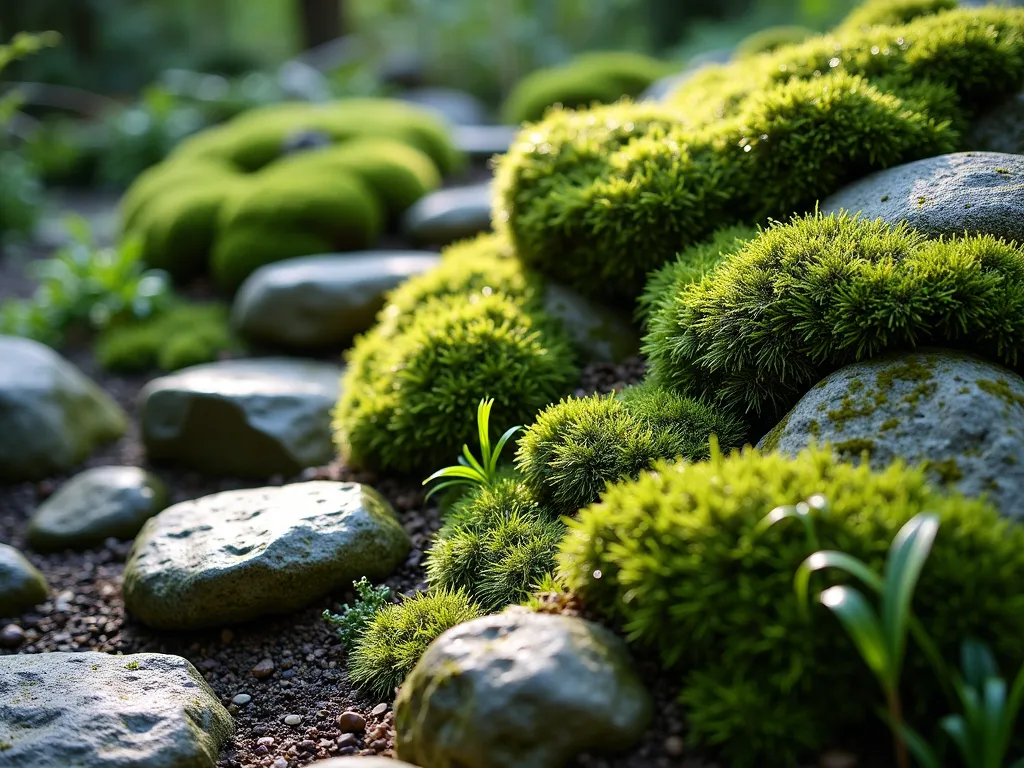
1001,388
598,198
676,558
893,12
577,446
184,335
808,297
397,636
497,544
600,77
771,39
855,447
408,397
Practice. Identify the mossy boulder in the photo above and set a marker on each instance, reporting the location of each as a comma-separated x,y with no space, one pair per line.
484,690
100,503
959,416
975,192
22,586
107,711
51,415
237,555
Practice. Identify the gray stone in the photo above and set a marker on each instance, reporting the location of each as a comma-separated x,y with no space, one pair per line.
51,416
481,142
95,505
601,333
977,192
321,301
520,690
449,215
961,416
237,555
104,711
251,418
454,106
1001,129
22,586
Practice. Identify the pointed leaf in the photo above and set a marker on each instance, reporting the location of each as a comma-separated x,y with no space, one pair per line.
442,486
919,748
470,461
828,558
465,472
907,556
863,626
500,447
483,425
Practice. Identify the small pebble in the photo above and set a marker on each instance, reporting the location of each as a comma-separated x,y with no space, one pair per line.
379,710
307,745
265,741
241,699
347,740
351,722
280,762
292,719
379,746
837,758
12,636
674,746
264,669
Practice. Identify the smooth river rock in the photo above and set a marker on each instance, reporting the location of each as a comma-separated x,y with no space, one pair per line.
51,415
449,215
961,416
97,710
95,505
520,690
321,301
250,418
237,555
976,192
22,586
601,333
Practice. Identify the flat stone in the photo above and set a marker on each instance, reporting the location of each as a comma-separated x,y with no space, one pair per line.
454,106
238,555
1000,129
601,333
250,418
482,142
520,689
105,711
448,215
314,302
22,586
976,192
51,415
95,505
961,416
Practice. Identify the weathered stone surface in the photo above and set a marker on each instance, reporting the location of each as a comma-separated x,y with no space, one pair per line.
449,215
455,106
520,690
481,142
21,584
251,418
977,192
146,710
1001,129
962,416
237,555
51,415
602,333
321,301
95,505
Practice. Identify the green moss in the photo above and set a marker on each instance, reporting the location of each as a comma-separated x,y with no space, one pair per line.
678,561
948,470
890,424
1001,388
598,77
132,665
821,292
889,12
770,39
856,446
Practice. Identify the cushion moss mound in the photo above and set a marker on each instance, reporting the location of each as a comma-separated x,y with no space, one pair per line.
808,297
602,77
598,198
408,397
676,558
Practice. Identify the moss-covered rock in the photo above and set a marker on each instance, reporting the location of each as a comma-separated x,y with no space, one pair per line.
22,586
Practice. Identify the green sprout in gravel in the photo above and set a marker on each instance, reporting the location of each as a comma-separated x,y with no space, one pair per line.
469,471
352,620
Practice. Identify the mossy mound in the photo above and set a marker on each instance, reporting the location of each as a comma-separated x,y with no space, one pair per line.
184,335
600,77
207,207
771,39
408,397
891,12
676,558
805,298
598,198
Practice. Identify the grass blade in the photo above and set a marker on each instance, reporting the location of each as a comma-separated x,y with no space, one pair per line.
483,425
442,486
907,556
493,467
864,628
470,461
828,558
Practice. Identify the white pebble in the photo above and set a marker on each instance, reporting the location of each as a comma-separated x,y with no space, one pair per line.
241,699
292,719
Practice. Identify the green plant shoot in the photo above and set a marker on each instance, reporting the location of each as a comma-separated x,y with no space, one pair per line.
470,471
